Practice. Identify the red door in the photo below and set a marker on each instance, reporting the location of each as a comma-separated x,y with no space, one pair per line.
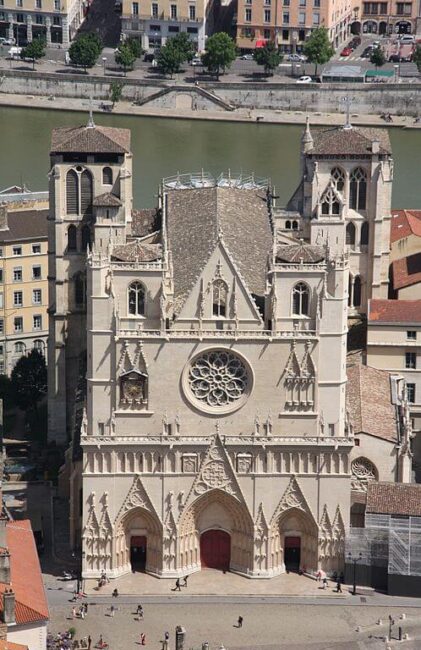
215,550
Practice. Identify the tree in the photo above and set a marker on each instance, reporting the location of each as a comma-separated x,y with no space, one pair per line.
170,58
116,91
29,380
268,56
35,50
184,44
125,57
85,50
318,49
377,57
220,53
135,47
417,57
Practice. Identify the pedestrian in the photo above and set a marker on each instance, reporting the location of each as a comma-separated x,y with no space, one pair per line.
112,611
142,639
339,587
85,606
73,612
82,612
167,636
185,581
177,585
240,621
89,642
139,612
324,582
115,593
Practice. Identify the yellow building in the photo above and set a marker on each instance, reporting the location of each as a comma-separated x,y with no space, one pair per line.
54,20
23,281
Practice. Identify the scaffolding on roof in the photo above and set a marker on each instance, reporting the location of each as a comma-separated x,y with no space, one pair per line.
205,179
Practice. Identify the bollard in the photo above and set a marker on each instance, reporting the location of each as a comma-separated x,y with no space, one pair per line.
399,633
402,617
180,637
205,646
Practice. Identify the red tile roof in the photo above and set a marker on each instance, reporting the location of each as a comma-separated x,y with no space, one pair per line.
8,645
394,499
405,223
394,311
25,574
407,271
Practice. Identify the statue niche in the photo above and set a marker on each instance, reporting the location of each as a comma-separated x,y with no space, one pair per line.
134,390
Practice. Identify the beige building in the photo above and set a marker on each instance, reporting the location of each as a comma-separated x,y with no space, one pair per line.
212,424
24,284
290,22
56,21
385,18
156,21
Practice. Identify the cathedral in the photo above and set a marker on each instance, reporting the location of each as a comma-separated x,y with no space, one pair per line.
205,343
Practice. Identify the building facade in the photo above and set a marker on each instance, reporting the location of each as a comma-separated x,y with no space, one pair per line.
56,21
385,18
23,281
155,22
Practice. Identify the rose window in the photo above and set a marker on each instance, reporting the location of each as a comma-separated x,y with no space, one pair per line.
218,380
363,469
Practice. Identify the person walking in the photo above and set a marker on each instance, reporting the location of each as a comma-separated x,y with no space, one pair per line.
112,611
115,593
240,621
339,587
177,585
89,642
85,607
142,639
185,581
73,612
139,612
166,636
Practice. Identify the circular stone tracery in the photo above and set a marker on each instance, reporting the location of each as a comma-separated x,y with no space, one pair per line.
218,380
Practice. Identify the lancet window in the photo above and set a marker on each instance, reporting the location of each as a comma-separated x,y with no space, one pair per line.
338,178
300,299
358,189
330,204
136,299
219,298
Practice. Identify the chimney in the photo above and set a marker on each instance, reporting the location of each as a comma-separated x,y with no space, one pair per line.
375,146
4,566
9,607
3,538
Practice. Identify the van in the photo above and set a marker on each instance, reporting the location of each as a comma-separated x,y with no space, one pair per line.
15,52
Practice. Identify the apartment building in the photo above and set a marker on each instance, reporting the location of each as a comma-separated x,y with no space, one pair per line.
23,281
57,21
386,18
153,23
290,22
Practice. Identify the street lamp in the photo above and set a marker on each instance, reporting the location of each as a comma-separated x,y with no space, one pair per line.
294,51
104,61
396,66
354,560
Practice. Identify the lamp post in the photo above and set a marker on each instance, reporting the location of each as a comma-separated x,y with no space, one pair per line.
294,51
396,66
354,560
104,61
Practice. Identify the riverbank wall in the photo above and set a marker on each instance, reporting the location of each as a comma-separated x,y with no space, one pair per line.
367,99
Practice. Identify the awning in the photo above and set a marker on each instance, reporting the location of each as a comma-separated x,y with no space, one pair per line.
261,43
380,73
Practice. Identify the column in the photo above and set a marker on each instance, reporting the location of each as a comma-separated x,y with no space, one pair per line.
10,20
65,31
48,26
29,28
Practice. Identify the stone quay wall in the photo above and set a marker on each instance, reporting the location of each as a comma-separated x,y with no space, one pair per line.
366,99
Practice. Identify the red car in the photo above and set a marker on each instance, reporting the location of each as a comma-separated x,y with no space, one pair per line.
346,51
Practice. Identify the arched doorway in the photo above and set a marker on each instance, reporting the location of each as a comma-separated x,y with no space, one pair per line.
215,550
370,27
403,27
382,28
294,539
356,28
138,543
138,548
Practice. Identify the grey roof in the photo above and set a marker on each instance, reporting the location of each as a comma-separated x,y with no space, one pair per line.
25,225
145,221
343,71
137,252
107,200
356,141
197,218
86,139
300,253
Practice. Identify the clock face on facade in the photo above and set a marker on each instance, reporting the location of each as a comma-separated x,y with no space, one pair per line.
133,387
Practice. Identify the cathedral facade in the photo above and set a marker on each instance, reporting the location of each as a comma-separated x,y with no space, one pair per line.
213,424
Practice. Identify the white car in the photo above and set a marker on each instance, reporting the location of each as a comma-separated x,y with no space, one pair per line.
15,52
304,80
296,58
196,60
407,38
7,41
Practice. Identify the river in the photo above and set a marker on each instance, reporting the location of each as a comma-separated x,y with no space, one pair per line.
163,147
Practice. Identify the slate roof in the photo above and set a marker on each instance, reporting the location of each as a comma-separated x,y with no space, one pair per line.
405,223
25,574
196,218
25,225
145,221
368,402
300,253
137,252
85,139
356,141
406,271
107,200
394,311
394,499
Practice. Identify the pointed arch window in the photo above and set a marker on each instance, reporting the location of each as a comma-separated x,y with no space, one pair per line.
107,176
86,238
86,192
136,299
358,189
80,289
288,224
330,204
300,299
364,234
338,178
350,234
219,298
357,291
295,225
72,238
72,192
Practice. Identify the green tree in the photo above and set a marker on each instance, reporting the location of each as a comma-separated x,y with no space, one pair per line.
377,57
184,44
35,50
85,50
116,91
417,57
220,53
170,58
135,47
29,380
318,49
125,57
268,56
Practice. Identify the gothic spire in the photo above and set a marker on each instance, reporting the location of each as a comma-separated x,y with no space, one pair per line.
307,139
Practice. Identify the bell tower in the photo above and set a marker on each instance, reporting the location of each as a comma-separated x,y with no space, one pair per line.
90,202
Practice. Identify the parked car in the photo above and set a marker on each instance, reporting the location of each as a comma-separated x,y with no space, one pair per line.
356,40
394,58
407,38
367,52
15,52
196,60
298,58
247,57
7,41
346,51
304,80
149,57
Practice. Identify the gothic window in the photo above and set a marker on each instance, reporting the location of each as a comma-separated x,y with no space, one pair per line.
357,291
288,224
363,472
358,189
350,234
295,225
72,192
330,204
300,299
80,289
219,298
136,297
364,234
72,238
86,237
133,388
338,178
107,176
86,192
